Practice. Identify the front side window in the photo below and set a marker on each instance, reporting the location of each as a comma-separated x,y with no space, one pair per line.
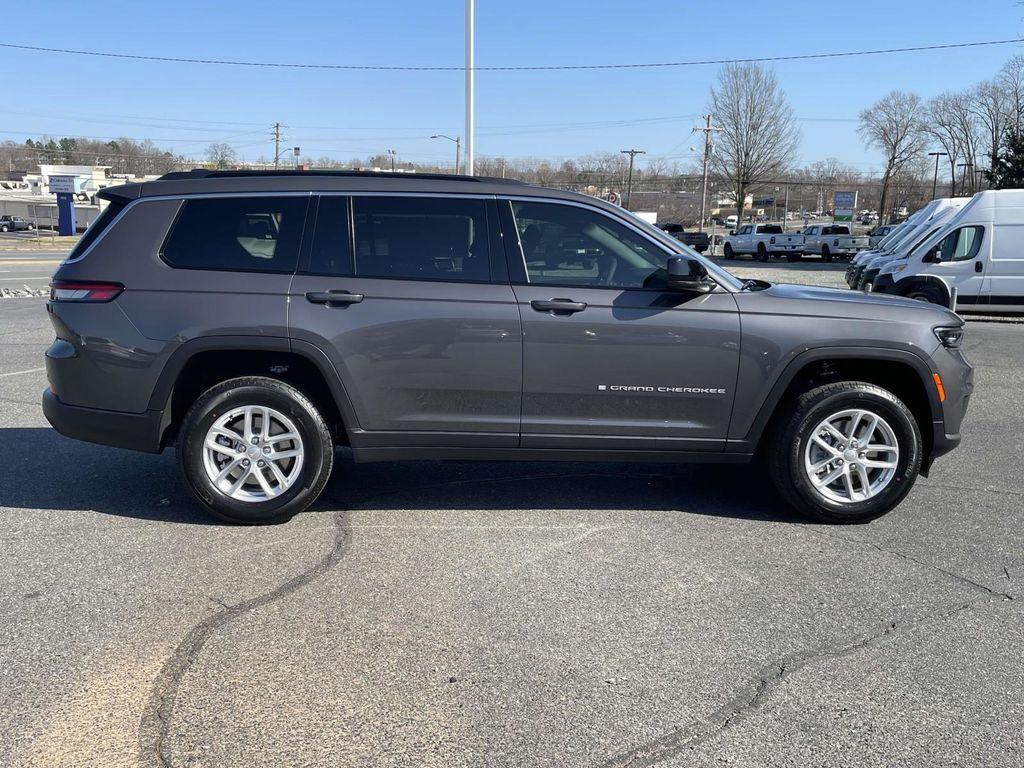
247,234
962,244
421,238
572,246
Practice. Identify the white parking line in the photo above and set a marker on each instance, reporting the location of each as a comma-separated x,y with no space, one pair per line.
18,373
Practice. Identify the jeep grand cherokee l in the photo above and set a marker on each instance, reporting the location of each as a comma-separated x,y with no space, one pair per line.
256,320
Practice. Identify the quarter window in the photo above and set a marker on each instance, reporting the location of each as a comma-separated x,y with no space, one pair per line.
962,244
421,238
569,245
247,234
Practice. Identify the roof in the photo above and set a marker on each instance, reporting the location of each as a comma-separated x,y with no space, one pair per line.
203,181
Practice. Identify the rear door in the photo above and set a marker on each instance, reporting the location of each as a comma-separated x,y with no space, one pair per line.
409,297
612,359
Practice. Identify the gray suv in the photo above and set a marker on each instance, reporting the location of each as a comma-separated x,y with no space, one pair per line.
257,320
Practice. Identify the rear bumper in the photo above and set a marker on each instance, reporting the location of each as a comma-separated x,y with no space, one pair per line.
135,431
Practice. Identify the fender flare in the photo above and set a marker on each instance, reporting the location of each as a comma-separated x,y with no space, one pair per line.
163,391
785,378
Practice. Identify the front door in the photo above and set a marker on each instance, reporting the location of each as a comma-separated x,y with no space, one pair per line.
401,293
612,359
962,263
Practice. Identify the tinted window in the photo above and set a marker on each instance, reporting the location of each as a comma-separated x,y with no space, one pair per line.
421,238
962,244
770,229
251,234
96,228
332,249
569,245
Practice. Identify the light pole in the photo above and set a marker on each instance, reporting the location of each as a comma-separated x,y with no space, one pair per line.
935,178
469,87
629,183
458,143
963,176
392,153
295,153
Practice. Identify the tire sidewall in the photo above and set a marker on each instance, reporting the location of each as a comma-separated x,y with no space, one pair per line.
317,458
908,438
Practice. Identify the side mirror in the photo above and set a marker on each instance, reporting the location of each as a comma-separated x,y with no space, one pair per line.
934,256
732,232
688,275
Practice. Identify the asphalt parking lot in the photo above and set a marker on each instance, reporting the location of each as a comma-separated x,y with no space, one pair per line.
461,614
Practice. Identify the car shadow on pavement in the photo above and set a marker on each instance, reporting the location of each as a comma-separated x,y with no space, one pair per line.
46,471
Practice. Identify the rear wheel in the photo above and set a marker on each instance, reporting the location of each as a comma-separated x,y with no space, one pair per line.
826,254
762,252
847,452
255,450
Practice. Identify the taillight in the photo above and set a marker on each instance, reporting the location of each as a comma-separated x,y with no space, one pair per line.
772,241
82,290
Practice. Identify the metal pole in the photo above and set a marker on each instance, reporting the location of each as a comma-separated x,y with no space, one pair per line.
785,209
629,182
277,145
704,184
458,143
469,87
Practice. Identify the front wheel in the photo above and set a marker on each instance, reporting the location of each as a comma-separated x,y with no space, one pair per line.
255,450
847,452
4,228
31,227
762,252
929,293
728,251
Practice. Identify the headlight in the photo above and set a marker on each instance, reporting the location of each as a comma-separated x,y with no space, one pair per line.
898,268
950,337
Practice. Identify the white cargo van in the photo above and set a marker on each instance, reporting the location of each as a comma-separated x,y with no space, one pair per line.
978,254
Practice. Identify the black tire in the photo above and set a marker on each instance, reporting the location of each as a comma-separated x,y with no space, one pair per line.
930,293
793,256
826,254
4,228
317,443
762,252
31,227
788,441
728,251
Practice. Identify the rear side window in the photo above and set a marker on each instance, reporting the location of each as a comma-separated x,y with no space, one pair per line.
245,234
421,238
96,229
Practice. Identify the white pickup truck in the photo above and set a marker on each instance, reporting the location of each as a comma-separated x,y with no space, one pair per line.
831,240
762,241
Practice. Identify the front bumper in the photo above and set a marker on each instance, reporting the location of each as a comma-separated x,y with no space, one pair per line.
135,431
884,283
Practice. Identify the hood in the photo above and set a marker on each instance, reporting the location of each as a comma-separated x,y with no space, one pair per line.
813,301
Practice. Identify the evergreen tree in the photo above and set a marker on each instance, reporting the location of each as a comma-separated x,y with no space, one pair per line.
1008,169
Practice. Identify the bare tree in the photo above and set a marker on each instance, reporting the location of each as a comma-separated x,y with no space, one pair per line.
759,137
1011,80
968,130
990,104
893,125
221,155
942,126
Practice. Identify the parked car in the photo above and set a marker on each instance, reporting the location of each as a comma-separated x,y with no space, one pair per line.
255,321
832,240
15,224
762,241
977,254
699,241
732,221
876,235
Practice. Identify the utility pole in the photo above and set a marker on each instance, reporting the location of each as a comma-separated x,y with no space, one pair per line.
935,178
277,145
629,183
963,176
469,87
707,130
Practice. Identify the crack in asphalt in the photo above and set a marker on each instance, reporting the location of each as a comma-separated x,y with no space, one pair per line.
753,694
155,723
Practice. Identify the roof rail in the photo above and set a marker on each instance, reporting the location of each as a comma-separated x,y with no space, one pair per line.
205,173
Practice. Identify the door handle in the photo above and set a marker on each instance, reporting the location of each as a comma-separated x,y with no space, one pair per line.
568,306
978,267
334,298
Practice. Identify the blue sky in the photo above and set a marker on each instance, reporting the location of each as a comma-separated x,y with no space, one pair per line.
552,115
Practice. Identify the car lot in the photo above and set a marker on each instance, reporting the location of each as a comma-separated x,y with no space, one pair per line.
535,614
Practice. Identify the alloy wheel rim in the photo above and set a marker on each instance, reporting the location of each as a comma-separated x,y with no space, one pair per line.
851,456
253,453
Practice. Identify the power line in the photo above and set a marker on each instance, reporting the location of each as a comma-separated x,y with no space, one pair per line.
517,68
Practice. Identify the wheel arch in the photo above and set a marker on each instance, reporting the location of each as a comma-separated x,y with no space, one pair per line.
903,373
199,363
910,284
